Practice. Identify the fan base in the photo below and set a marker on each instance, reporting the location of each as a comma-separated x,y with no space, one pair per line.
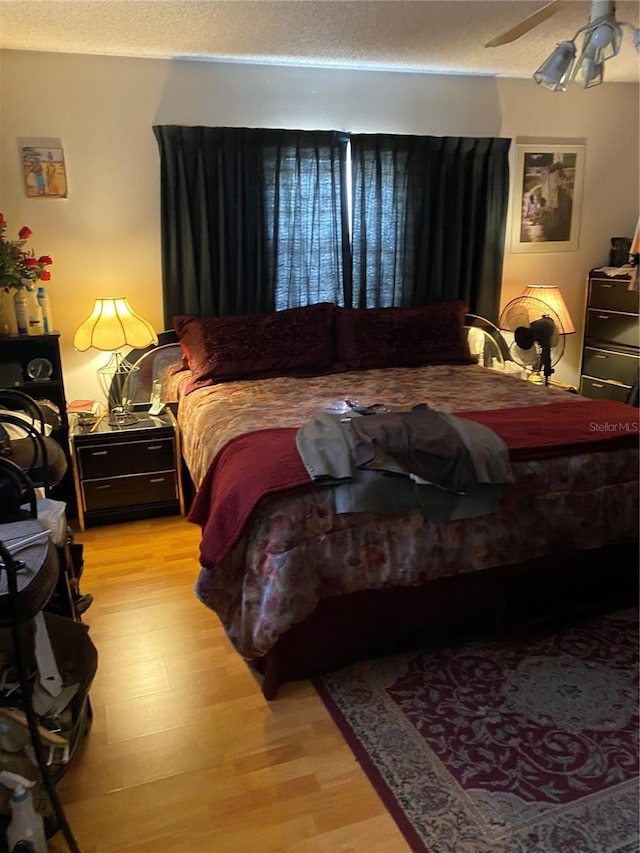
536,378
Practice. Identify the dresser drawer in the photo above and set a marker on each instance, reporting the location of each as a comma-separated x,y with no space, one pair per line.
613,327
597,389
606,364
613,295
118,492
134,457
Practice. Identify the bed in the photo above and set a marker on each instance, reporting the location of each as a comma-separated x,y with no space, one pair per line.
302,586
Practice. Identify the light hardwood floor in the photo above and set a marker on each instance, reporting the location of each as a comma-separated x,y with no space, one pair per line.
184,753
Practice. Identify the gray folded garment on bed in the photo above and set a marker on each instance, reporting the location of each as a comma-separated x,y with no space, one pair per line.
359,459
423,442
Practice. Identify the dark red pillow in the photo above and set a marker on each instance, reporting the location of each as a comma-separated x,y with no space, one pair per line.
396,337
296,341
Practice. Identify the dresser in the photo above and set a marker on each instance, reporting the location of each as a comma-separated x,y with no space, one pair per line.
611,351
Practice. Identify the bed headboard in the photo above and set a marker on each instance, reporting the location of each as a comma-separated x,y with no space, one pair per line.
159,363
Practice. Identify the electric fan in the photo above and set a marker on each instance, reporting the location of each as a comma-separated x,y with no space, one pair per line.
538,335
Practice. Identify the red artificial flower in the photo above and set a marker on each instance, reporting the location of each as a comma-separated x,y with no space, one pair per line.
19,267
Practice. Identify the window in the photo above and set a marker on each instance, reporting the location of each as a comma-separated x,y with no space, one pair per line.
256,220
303,200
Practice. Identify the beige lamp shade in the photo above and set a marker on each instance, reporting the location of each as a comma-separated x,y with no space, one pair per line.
550,294
635,242
111,325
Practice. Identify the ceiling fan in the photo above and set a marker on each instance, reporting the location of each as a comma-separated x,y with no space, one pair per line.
528,23
602,41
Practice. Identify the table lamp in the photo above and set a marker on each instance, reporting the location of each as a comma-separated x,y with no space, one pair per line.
550,294
112,325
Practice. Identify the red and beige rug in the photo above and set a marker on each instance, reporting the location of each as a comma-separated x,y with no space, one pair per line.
498,747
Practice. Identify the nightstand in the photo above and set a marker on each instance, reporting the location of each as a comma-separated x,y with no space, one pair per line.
129,472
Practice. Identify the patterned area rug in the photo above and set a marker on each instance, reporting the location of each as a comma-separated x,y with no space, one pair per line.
498,747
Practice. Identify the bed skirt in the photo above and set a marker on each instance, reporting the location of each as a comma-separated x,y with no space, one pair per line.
506,600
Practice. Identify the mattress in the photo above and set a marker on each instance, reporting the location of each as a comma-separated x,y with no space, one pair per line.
296,549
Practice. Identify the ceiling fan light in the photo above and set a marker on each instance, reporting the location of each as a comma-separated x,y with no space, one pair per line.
602,41
592,73
556,69
600,36
604,35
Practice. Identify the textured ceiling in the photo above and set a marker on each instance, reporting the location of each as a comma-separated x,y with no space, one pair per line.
441,36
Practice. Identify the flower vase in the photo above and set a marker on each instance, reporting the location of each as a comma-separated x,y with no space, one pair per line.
8,323
22,312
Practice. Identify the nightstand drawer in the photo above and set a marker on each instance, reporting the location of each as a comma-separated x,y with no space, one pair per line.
614,295
135,490
597,389
613,327
605,364
134,457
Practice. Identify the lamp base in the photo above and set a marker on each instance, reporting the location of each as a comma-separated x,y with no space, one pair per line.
118,379
119,416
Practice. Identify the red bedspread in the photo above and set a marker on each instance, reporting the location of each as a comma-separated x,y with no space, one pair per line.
263,462
559,429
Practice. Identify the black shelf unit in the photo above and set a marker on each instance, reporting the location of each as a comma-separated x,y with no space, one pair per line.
17,352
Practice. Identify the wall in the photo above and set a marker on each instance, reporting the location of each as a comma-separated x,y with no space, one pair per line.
105,237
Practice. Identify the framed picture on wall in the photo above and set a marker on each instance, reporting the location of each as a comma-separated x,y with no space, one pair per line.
43,168
547,198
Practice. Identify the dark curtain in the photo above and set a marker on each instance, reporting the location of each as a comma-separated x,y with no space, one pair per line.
429,216
255,220
252,219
